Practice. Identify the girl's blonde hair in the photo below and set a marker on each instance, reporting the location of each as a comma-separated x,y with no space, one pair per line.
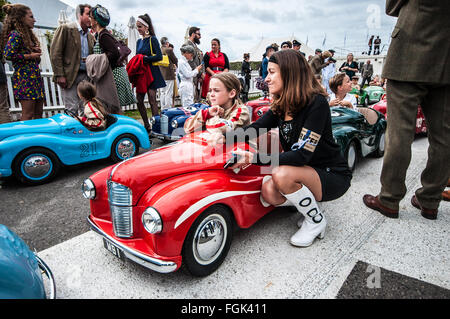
88,91
231,82
14,21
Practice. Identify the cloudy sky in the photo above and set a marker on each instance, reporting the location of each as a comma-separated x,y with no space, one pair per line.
241,24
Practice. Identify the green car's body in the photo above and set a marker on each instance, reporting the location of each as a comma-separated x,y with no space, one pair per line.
358,133
368,95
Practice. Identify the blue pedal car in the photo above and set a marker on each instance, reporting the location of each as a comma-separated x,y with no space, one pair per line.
33,151
169,125
21,270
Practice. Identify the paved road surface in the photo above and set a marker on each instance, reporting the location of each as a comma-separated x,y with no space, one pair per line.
362,255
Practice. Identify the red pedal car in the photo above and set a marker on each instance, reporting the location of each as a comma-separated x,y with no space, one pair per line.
421,126
176,204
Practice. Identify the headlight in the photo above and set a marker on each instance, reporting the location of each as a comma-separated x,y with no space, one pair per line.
152,120
174,124
88,189
152,221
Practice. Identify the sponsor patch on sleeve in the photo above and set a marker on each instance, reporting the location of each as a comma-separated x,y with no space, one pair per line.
308,140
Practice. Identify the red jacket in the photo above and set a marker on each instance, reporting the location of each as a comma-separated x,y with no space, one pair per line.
139,74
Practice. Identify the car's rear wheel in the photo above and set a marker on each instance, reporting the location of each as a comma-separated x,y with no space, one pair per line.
208,241
124,146
36,166
351,156
366,102
381,145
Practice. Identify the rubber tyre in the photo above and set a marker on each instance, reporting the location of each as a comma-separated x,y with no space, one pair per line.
351,151
24,177
381,145
115,157
192,261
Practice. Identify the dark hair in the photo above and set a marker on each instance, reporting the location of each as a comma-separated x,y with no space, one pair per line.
88,91
148,20
336,81
217,40
299,84
81,8
193,30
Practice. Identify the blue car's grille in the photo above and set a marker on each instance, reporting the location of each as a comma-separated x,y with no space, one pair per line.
120,203
164,124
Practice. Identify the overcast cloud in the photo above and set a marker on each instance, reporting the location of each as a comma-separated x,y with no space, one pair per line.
240,25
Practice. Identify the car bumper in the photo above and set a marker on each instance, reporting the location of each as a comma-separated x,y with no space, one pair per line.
148,262
5,172
164,137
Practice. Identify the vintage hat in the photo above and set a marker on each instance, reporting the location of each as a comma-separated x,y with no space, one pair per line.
271,47
295,42
101,15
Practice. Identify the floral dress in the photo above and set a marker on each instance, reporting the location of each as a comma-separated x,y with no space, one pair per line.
123,85
27,80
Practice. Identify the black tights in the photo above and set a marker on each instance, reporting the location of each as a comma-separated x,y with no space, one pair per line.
141,106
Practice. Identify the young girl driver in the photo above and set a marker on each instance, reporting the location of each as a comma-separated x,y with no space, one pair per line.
311,167
94,112
226,112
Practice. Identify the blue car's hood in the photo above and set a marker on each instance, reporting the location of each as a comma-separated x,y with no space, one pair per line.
49,126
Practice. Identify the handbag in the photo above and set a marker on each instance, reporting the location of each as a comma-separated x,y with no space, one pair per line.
124,52
165,58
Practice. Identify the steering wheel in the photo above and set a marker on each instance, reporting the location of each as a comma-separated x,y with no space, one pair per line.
72,114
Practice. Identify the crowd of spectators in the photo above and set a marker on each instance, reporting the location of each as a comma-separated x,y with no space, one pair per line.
96,58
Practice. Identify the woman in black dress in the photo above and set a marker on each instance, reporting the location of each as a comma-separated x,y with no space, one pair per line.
311,168
246,73
149,47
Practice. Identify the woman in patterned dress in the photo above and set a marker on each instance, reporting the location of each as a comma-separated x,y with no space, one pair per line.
21,47
106,43
149,47
215,62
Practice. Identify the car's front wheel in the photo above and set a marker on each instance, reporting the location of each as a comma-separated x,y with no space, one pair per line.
36,166
124,146
208,241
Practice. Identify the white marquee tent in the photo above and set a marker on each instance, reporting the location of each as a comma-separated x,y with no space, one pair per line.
259,49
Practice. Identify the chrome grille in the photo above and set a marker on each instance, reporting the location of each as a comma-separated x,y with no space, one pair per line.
164,124
120,204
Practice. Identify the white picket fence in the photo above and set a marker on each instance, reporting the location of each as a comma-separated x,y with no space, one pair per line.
53,96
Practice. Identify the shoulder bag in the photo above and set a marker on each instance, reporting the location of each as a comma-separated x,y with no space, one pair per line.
165,60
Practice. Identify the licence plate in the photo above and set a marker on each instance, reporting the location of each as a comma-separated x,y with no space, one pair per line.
113,249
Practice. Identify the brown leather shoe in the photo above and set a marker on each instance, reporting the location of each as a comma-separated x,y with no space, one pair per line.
426,212
374,203
446,195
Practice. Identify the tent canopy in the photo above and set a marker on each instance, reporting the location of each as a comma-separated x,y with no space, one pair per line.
259,49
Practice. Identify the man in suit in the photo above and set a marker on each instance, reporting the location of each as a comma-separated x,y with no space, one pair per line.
194,40
412,79
168,73
71,44
366,73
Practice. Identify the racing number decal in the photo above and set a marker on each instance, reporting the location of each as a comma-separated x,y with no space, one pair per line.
88,149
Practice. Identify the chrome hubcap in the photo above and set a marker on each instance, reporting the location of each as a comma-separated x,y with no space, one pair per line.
209,239
125,149
36,166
